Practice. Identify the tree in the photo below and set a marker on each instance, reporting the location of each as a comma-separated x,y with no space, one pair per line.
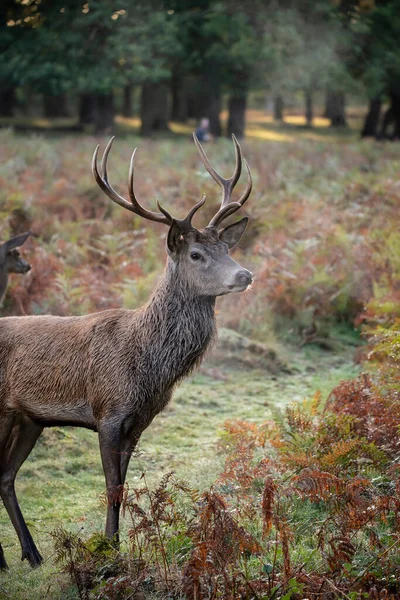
235,49
90,49
375,59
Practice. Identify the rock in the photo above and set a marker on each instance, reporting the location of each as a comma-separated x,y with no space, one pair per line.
237,351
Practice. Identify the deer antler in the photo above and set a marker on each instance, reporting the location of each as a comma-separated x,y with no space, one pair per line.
227,206
163,217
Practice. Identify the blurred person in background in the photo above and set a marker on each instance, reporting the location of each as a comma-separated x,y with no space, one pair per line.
202,132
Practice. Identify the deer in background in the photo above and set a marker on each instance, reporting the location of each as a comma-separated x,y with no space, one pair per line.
114,371
11,261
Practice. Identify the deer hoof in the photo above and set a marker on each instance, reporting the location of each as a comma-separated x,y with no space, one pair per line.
3,562
33,556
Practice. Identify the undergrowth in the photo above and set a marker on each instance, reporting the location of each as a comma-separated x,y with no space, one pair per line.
323,239
307,506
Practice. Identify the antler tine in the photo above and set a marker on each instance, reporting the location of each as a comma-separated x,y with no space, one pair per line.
186,223
140,210
163,217
227,207
243,198
102,180
226,184
223,213
232,207
103,183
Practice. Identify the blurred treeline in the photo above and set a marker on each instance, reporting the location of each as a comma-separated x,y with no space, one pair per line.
187,59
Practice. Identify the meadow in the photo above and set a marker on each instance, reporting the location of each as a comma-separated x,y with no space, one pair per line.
266,468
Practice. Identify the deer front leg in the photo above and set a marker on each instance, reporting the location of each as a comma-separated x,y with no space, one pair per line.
111,442
116,446
130,440
3,562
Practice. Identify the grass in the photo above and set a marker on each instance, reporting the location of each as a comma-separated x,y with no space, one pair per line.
322,211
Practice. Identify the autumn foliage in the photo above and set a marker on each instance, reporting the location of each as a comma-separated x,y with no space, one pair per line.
307,506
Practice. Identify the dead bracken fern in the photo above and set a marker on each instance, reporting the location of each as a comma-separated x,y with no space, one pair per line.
306,508
219,543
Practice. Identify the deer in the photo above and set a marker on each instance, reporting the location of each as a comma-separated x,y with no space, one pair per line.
11,261
113,371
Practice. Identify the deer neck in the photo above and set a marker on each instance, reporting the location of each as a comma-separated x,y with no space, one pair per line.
180,325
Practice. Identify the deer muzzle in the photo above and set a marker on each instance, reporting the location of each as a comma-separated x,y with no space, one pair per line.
242,280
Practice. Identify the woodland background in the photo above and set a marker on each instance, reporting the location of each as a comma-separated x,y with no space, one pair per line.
182,59
274,473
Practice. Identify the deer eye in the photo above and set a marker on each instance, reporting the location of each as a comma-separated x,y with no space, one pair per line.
196,256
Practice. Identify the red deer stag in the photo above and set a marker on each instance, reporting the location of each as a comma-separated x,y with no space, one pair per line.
11,261
113,371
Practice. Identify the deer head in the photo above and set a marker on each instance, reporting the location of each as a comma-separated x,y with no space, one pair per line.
10,257
200,257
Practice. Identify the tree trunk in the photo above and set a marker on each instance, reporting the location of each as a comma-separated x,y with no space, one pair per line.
7,101
278,108
212,94
154,109
213,112
55,106
237,112
87,109
372,118
179,109
335,108
127,110
104,114
309,107
195,97
395,95
390,129
97,110
328,104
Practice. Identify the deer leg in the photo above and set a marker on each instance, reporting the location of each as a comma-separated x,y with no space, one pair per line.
3,562
6,425
21,441
110,449
127,447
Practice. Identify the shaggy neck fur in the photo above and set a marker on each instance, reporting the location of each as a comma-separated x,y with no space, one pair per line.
179,327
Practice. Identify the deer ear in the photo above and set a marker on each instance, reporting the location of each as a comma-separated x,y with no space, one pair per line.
174,238
16,241
231,235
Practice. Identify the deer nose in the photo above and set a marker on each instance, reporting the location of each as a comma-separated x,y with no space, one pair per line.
244,277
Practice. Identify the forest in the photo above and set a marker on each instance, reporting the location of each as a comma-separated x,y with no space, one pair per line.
274,472
181,60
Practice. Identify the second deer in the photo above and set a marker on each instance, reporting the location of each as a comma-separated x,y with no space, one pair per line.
11,261
113,371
